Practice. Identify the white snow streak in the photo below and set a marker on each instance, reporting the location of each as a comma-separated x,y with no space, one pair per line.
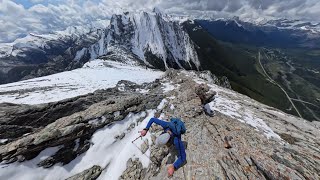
162,104
2,141
80,54
167,86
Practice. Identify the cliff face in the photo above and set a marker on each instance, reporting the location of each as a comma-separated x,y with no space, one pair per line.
155,39
91,136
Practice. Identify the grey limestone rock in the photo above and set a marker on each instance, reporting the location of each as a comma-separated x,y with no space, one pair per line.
89,174
251,154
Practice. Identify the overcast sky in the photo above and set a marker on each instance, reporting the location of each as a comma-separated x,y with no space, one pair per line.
20,17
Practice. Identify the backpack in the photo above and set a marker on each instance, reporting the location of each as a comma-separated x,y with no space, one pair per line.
177,126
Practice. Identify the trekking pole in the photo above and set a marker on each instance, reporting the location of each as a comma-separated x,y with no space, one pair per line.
137,138
141,150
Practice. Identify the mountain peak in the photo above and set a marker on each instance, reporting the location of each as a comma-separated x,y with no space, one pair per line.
157,10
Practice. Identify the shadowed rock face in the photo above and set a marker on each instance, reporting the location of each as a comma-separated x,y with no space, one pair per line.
252,155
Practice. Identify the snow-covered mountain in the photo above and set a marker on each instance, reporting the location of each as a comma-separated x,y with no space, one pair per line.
308,27
153,38
276,33
154,34
39,55
283,23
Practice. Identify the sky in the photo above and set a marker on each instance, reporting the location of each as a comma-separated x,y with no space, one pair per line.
20,17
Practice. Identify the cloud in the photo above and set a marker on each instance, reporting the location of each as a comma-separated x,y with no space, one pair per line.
36,1
18,21
44,16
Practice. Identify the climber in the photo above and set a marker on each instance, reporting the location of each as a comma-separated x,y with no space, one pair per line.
172,133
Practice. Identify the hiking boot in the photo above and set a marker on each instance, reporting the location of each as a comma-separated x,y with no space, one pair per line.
227,145
226,142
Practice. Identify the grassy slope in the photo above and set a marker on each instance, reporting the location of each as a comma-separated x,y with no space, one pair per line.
239,64
304,83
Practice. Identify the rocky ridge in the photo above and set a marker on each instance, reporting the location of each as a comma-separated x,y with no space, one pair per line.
264,142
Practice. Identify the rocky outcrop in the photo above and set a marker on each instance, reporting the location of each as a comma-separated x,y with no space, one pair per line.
204,93
251,155
134,170
243,139
89,174
224,82
86,115
213,79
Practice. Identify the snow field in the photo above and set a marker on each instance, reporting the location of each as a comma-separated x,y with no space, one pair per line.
94,75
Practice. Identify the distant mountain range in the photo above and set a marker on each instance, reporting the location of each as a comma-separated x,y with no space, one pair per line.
276,33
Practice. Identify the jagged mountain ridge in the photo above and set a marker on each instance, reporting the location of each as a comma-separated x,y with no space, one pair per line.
153,38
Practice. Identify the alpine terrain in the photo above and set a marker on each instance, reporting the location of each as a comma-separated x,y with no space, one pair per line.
149,38
72,104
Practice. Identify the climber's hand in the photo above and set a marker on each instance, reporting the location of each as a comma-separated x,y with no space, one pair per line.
143,132
170,170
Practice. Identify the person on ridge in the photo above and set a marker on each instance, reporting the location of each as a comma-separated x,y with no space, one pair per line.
172,133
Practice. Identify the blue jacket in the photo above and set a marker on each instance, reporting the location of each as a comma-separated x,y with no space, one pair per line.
177,141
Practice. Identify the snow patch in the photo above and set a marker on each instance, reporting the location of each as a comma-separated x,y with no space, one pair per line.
143,91
47,153
196,28
80,54
167,86
226,106
97,121
2,141
77,141
116,114
162,104
233,109
171,97
121,87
